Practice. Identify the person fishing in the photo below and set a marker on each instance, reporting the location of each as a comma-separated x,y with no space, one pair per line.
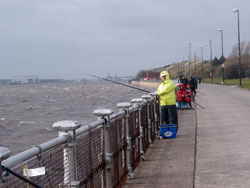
146,91
183,96
166,92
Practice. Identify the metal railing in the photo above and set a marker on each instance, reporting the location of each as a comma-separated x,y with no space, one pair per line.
101,154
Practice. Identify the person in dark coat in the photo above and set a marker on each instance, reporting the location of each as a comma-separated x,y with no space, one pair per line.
185,81
193,85
199,79
180,79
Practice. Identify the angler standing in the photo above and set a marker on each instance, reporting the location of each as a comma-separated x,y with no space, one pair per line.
166,92
193,86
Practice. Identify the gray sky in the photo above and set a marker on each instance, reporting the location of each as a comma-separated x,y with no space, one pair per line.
71,38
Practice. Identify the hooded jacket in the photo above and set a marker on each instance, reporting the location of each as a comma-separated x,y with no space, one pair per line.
166,91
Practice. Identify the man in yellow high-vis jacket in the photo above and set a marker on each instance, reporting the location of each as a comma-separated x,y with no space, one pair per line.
166,92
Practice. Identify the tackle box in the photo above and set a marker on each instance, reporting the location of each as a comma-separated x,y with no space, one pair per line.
168,130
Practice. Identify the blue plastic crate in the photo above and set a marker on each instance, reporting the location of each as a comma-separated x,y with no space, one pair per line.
168,130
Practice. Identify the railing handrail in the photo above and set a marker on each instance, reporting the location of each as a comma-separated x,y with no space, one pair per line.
35,150
121,138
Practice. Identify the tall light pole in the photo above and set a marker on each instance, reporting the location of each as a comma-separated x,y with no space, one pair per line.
190,60
195,73
238,14
222,56
210,41
183,67
202,71
173,75
178,67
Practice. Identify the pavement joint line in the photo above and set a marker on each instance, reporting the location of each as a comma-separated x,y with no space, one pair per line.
195,147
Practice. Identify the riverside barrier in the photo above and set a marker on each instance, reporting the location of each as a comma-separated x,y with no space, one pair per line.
148,83
101,154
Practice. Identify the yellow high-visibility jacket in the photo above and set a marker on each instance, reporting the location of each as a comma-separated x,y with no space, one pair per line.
166,91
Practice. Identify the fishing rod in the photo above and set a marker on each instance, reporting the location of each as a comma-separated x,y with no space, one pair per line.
198,105
21,177
130,86
119,83
201,92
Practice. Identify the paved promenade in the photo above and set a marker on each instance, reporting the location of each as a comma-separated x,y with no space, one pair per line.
223,139
218,156
170,163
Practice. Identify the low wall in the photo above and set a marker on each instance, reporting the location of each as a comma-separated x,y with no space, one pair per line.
151,84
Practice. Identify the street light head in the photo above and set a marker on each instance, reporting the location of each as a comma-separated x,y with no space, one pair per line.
236,10
209,41
219,29
201,46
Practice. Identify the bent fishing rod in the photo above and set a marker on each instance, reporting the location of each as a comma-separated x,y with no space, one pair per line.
119,83
198,104
130,86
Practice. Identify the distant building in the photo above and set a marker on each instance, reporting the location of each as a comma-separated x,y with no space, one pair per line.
5,81
152,76
25,80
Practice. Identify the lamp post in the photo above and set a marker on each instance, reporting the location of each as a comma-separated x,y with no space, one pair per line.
222,56
173,75
238,14
210,41
178,67
195,73
183,66
202,73
190,60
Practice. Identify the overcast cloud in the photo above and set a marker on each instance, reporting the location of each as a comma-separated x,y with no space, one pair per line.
71,38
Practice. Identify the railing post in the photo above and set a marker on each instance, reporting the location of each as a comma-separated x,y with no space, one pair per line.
138,101
68,127
125,106
105,114
154,95
148,99
4,154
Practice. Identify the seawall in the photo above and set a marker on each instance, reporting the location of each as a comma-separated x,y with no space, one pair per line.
152,84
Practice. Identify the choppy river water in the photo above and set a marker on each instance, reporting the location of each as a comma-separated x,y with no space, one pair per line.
27,112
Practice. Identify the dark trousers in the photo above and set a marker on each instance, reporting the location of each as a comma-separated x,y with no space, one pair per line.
193,91
169,114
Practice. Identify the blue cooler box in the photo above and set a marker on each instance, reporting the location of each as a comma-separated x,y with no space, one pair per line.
168,130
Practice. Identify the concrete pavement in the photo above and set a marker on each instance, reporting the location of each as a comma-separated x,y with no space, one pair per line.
170,163
217,156
223,137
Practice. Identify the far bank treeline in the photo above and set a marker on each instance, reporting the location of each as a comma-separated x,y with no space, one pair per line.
231,68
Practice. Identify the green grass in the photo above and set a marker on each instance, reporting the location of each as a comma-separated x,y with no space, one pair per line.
245,83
